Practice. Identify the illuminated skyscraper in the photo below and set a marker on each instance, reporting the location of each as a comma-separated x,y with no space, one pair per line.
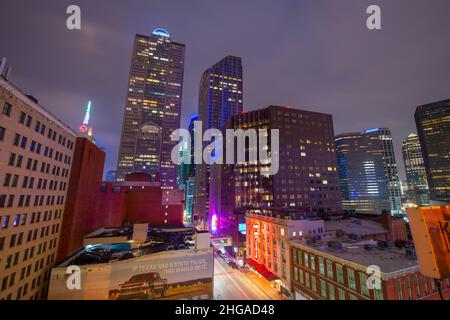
189,174
368,172
153,106
416,175
220,97
433,129
390,167
364,187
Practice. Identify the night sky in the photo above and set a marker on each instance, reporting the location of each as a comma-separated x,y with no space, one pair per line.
314,54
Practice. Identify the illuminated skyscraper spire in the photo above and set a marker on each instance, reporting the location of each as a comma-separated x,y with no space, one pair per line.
84,128
88,112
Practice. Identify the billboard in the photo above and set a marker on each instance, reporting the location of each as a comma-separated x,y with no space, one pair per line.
169,275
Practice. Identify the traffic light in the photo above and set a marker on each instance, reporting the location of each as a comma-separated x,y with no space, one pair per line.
430,227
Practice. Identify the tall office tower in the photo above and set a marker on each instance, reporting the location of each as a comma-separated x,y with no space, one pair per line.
365,181
36,151
220,97
433,128
190,177
186,154
390,167
416,175
307,179
153,107
363,184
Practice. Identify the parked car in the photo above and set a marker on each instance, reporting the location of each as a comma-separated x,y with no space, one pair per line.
170,247
141,286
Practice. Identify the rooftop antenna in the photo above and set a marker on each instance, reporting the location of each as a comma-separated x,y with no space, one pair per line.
8,72
2,65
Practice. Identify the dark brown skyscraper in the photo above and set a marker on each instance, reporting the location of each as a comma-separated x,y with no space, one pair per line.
307,179
433,129
153,107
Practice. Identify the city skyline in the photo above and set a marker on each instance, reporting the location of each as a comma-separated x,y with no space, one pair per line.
364,68
329,181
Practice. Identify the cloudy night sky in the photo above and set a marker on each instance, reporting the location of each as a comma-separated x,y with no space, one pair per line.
311,54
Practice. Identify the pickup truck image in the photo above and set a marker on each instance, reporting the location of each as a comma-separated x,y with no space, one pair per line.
144,286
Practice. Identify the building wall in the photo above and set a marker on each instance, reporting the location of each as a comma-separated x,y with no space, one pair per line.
34,177
146,205
80,217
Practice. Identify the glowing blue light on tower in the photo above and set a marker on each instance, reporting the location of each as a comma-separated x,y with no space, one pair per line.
161,32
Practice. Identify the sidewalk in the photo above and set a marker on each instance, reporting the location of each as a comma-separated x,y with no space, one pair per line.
263,284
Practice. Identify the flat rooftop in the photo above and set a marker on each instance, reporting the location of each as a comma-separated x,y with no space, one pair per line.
388,259
355,226
162,239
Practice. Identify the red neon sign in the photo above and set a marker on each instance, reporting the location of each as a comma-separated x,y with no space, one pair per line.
256,240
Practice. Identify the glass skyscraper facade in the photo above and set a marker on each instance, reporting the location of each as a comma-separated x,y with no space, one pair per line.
153,107
390,167
416,176
220,97
368,172
433,129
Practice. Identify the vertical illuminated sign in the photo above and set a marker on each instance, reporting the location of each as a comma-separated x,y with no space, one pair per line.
214,223
256,240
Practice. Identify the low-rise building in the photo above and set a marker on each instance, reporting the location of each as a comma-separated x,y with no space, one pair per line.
268,235
91,204
338,267
139,263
